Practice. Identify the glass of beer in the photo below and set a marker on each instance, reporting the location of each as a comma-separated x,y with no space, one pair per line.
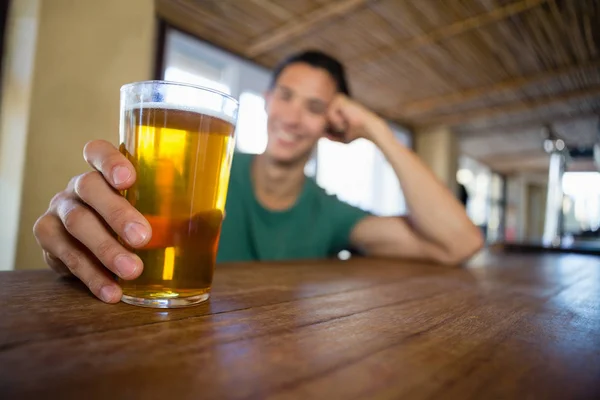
180,139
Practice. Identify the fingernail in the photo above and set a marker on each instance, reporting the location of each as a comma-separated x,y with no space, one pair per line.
125,266
120,175
136,233
107,293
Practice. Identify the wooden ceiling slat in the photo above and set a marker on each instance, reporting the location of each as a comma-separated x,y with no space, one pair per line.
394,15
504,56
557,22
353,28
301,26
453,29
415,69
522,27
426,105
216,14
474,65
512,156
478,65
524,54
512,108
498,61
544,25
403,77
253,19
520,127
275,9
592,10
200,22
299,7
577,40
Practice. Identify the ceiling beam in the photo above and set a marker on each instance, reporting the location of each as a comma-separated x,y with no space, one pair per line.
516,107
511,129
275,9
536,161
582,166
445,32
302,25
414,108
184,8
515,156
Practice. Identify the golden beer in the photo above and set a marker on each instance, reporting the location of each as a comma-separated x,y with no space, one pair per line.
182,159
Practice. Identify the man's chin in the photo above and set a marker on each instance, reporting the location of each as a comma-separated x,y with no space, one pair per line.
288,160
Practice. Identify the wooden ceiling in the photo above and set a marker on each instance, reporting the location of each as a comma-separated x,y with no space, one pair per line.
497,71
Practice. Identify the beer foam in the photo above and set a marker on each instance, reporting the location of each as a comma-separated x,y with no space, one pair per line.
180,107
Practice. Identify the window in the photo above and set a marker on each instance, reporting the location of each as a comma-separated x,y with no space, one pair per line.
185,63
251,131
190,60
485,190
347,170
581,203
359,174
176,74
496,209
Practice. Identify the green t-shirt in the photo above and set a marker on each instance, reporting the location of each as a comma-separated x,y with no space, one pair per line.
317,226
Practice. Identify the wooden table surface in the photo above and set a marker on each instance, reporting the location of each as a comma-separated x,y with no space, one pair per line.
505,326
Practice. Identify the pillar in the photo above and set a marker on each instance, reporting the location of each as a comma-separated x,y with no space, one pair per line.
65,63
554,199
438,148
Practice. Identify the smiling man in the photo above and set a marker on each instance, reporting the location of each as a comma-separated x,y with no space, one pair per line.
274,212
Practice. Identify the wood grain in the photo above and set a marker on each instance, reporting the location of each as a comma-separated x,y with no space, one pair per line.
486,113
425,105
299,27
505,326
456,28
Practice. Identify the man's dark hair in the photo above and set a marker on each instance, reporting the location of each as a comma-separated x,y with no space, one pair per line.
316,59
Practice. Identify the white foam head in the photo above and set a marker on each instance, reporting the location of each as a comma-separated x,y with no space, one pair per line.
199,109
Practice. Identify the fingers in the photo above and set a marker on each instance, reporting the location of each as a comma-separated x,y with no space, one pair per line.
337,129
121,216
85,226
55,263
338,125
59,245
336,120
106,158
74,234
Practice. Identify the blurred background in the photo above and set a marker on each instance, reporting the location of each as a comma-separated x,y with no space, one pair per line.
501,98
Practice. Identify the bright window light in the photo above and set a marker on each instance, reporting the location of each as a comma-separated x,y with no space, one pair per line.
251,131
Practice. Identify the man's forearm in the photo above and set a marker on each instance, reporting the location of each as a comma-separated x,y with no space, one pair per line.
435,213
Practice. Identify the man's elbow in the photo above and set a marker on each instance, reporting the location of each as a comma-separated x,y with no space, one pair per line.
462,251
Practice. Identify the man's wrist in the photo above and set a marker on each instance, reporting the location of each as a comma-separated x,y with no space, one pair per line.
378,131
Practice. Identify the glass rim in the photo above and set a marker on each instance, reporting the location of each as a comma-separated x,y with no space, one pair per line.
184,84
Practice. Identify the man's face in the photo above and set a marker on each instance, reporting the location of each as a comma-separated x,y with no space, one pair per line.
297,112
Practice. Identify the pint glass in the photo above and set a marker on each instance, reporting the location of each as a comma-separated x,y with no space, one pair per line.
180,139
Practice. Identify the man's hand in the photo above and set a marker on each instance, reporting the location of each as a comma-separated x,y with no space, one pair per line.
350,121
76,232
